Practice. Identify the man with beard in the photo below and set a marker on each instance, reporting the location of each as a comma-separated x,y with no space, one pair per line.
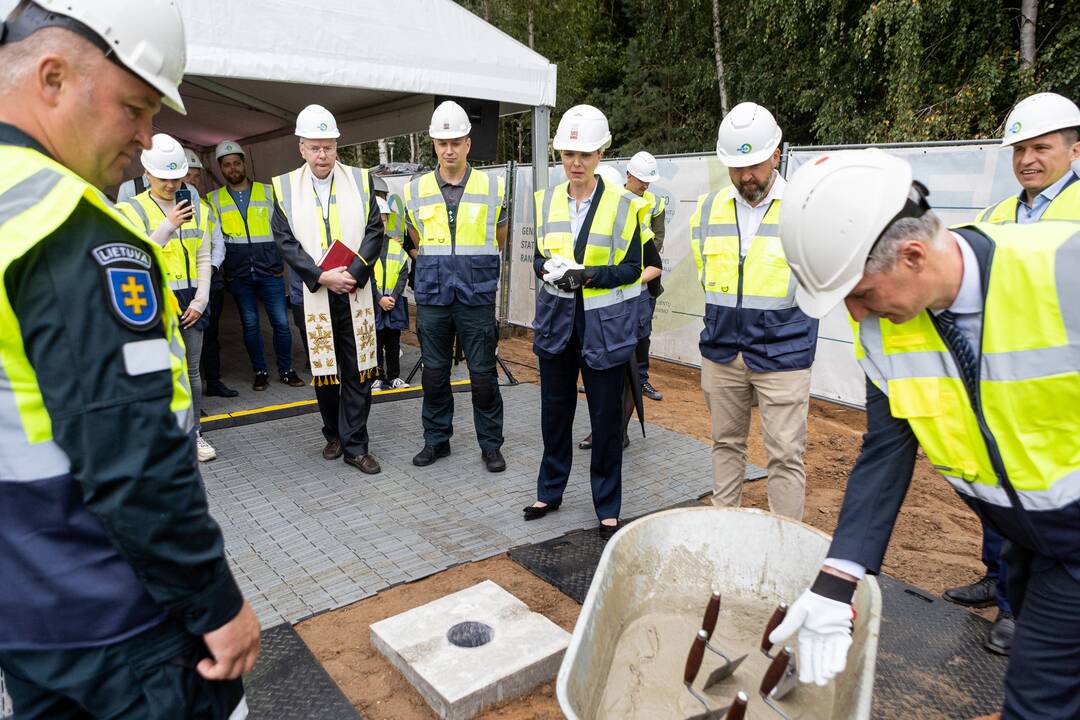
253,267
755,340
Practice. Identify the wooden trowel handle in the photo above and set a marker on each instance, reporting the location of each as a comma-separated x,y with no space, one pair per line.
712,612
775,672
774,622
693,660
737,711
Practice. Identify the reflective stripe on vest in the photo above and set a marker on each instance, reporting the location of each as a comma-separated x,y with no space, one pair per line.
618,214
478,215
657,204
1066,206
331,223
71,587
1029,384
388,266
762,279
254,227
180,254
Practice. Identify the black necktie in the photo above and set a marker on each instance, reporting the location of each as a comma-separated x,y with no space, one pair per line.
962,350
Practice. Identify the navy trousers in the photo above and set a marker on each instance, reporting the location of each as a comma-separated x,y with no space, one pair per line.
1043,677
558,401
995,567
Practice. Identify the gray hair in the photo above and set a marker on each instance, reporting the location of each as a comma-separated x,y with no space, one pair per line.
926,229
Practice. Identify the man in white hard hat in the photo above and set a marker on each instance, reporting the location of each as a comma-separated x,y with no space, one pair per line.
321,208
457,221
1042,131
755,339
641,172
114,574
194,175
969,338
253,268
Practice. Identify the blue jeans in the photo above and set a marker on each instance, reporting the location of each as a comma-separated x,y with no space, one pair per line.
270,289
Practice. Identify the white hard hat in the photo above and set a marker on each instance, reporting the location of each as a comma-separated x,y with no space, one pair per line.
166,159
449,121
582,128
227,147
144,36
384,207
316,123
748,135
1039,114
643,167
612,177
193,160
834,210
380,184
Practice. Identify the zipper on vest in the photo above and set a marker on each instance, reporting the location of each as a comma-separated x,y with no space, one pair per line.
742,259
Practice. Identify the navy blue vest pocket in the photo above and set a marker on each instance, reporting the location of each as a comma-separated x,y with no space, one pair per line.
645,305
610,335
553,322
787,331
426,282
484,277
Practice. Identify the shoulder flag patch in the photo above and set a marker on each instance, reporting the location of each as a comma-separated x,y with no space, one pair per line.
126,272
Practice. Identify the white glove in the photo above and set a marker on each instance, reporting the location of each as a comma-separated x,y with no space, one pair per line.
555,267
824,627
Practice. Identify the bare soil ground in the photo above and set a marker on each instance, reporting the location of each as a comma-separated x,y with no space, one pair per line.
935,545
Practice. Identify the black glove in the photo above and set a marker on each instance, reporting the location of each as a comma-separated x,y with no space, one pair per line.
573,279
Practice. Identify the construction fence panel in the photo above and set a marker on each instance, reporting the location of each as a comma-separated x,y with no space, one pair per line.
962,177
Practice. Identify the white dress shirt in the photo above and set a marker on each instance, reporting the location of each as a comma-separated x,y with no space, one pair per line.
750,216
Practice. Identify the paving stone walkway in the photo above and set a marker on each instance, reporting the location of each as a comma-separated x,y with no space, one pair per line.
305,535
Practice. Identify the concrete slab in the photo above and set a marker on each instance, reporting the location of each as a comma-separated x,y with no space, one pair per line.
516,650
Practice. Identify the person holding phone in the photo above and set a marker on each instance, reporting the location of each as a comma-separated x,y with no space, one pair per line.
171,217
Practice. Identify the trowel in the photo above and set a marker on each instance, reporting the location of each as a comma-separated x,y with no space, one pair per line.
770,683
708,625
735,711
789,679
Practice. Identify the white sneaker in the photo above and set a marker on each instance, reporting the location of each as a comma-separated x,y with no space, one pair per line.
376,386
398,384
205,450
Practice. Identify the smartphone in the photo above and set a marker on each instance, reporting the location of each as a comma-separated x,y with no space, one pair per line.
182,195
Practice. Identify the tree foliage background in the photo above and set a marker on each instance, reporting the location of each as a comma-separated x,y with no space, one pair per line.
832,71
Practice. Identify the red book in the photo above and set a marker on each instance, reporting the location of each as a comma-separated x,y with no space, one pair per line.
337,255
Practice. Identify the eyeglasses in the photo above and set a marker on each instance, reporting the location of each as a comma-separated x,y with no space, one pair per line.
321,149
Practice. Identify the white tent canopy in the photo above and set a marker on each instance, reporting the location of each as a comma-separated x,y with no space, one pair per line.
377,65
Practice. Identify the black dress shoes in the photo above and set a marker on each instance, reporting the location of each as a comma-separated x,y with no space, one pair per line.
219,389
365,464
606,531
586,444
493,460
535,513
431,453
999,639
979,594
333,450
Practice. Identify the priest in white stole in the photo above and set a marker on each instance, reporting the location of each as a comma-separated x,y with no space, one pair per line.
320,202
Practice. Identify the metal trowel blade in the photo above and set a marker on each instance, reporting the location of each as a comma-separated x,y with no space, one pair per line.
717,714
787,682
722,673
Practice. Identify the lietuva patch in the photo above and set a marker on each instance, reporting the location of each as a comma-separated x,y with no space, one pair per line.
126,271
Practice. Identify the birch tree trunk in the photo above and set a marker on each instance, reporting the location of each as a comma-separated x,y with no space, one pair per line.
720,58
1029,10
384,153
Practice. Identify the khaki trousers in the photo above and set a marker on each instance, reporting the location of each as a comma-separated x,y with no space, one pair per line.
783,402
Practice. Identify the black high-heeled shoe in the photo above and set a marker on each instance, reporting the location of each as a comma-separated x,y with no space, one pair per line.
535,513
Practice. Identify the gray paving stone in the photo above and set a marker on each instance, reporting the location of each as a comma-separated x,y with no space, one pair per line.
305,535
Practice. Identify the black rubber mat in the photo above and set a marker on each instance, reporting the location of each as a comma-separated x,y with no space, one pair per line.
289,683
930,661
